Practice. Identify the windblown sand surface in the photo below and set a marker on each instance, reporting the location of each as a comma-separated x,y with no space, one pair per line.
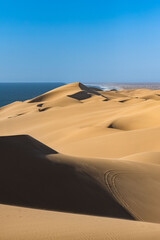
84,151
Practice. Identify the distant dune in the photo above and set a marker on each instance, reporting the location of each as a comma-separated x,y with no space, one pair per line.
81,150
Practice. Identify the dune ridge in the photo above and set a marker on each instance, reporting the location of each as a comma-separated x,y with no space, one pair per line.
82,150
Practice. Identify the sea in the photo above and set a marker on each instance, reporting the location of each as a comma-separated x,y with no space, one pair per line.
11,92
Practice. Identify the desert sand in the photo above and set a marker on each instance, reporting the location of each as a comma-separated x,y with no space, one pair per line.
81,163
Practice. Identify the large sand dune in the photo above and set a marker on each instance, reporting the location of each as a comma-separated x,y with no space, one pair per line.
38,176
81,150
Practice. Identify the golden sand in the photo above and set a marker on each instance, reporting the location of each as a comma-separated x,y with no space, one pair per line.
80,150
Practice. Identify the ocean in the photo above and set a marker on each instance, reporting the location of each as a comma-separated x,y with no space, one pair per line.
11,92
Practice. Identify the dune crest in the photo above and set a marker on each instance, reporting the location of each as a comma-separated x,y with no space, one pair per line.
68,90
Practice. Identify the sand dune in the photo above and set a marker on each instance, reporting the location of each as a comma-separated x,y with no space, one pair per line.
45,182
103,187
86,151
24,223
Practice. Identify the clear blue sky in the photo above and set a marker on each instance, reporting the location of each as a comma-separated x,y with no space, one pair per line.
87,41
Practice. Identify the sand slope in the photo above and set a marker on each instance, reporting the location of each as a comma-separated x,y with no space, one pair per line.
81,150
34,175
24,223
29,178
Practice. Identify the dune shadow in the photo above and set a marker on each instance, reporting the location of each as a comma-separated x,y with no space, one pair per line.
106,99
29,178
82,95
111,125
43,109
37,99
122,101
40,105
17,115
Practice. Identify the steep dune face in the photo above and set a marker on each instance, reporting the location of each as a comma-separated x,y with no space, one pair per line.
31,179
105,160
49,180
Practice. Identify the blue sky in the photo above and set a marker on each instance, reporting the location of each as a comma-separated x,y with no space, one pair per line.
86,41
